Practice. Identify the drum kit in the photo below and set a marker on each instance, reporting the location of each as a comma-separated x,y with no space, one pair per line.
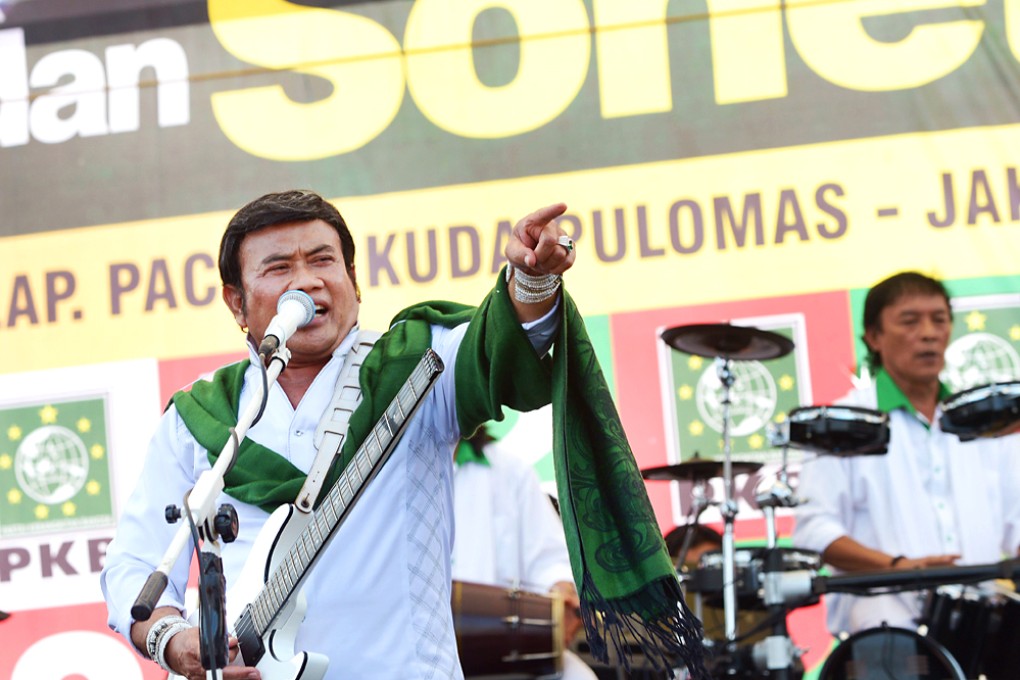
777,580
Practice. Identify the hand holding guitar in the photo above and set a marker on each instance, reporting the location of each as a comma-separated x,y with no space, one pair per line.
184,656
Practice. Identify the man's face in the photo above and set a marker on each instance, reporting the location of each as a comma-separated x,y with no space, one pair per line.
912,337
296,256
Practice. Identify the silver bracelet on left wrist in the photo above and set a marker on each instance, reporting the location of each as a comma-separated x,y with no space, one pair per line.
533,289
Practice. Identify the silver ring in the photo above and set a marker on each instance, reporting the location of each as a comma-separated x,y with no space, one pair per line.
566,242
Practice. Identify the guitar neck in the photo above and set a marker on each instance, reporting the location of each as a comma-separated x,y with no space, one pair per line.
334,509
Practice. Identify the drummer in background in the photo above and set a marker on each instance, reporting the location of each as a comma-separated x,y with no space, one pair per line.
751,622
932,500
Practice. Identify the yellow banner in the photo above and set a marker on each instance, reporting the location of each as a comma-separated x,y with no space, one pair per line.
750,225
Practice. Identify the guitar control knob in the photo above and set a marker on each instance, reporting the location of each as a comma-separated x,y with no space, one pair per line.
226,523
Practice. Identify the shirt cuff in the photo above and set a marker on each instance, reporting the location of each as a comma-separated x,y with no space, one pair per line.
542,331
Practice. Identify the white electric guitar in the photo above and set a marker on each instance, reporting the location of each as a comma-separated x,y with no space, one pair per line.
290,542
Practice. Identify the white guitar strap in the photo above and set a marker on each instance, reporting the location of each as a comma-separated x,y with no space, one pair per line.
332,429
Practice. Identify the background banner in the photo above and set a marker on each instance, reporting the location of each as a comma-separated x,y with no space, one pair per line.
748,161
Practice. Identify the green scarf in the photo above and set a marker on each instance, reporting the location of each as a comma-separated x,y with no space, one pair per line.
626,582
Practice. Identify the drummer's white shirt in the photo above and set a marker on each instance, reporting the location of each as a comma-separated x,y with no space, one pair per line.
930,494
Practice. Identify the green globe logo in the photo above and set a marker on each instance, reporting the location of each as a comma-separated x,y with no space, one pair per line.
51,464
752,398
978,359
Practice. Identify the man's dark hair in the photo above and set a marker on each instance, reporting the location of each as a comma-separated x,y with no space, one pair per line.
888,292
702,534
280,208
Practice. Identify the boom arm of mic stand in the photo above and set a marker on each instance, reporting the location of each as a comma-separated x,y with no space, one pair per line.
202,498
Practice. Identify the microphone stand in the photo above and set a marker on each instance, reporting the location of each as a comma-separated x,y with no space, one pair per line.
210,524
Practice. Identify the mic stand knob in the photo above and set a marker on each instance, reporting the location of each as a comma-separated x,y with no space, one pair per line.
226,523
172,513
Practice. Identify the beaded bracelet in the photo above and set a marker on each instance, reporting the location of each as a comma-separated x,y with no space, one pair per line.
164,642
532,289
157,629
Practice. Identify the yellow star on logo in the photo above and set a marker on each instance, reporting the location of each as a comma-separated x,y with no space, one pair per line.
14,433
786,383
975,321
684,392
755,441
694,362
1014,333
92,487
68,509
47,415
97,451
41,512
696,428
14,496
6,462
780,417
84,425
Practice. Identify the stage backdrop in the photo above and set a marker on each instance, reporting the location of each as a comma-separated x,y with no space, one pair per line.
752,161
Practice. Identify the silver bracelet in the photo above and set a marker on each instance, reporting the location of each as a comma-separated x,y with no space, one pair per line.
164,642
532,289
156,629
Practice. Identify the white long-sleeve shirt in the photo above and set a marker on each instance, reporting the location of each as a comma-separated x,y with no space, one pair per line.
379,597
930,494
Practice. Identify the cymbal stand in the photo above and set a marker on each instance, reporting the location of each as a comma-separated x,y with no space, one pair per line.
723,367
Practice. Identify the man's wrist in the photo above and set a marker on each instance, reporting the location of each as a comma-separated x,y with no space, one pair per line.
158,637
896,560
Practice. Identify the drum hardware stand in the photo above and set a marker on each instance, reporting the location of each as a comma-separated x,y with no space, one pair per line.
780,494
699,502
723,367
725,342
776,653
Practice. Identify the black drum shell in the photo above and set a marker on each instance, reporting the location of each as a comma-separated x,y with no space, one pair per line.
839,430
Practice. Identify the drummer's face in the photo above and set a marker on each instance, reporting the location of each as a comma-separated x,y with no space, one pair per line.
912,337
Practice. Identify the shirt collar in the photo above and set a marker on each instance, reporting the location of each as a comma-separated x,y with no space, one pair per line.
890,397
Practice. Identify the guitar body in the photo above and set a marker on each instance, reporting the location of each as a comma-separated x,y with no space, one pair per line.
280,662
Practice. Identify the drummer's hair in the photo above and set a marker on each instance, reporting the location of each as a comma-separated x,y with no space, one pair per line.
887,292
702,534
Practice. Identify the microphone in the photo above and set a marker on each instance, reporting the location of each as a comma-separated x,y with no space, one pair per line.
294,310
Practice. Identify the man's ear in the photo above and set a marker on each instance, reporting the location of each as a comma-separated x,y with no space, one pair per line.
870,338
234,298
354,279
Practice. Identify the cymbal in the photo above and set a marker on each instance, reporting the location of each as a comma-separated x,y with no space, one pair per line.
727,341
697,469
